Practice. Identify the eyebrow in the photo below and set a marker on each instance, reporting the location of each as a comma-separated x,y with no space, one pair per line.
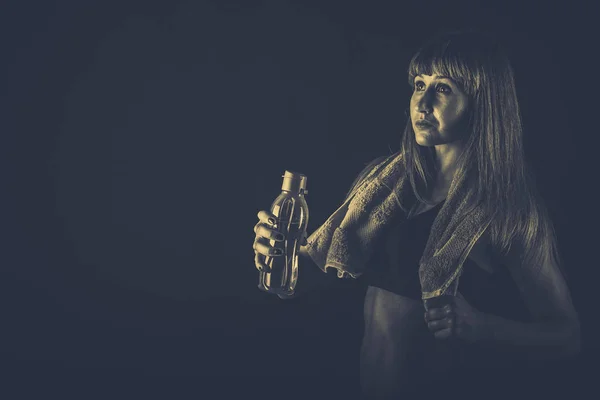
437,77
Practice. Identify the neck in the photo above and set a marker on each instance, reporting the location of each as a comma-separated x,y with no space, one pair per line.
446,156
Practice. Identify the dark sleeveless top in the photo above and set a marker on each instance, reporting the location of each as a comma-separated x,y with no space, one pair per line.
395,258
395,268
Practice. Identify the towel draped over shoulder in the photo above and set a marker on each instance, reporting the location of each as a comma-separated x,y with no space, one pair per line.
346,239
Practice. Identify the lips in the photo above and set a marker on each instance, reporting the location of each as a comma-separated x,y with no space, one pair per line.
422,123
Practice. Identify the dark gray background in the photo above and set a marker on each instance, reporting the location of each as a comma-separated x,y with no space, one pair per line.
140,139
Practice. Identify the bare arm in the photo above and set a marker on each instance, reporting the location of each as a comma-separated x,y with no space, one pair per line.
553,332
555,328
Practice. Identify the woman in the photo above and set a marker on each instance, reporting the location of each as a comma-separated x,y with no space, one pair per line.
503,298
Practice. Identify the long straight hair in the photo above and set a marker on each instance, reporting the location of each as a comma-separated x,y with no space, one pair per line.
492,166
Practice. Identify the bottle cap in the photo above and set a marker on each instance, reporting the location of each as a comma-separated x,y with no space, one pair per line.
293,182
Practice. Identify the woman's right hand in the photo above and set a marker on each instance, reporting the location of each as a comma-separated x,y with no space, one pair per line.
264,233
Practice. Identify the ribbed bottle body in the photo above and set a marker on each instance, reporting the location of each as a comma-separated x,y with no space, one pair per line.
291,213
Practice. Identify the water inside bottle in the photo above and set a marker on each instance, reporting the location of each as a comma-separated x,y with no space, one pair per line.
292,216
283,273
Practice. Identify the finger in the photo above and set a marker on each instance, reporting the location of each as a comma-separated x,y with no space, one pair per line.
443,334
259,263
437,313
266,217
268,233
265,249
440,324
438,302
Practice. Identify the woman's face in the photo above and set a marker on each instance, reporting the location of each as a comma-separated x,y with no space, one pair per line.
437,109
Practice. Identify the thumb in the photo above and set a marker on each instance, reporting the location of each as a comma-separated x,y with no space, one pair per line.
304,240
463,302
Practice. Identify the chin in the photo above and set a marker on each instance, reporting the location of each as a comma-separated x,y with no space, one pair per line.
425,140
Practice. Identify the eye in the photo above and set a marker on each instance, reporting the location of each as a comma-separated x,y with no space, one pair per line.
443,88
419,86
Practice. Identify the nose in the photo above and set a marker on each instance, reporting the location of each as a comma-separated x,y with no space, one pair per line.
424,104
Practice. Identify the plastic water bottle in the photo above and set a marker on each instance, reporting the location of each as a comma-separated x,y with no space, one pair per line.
291,214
